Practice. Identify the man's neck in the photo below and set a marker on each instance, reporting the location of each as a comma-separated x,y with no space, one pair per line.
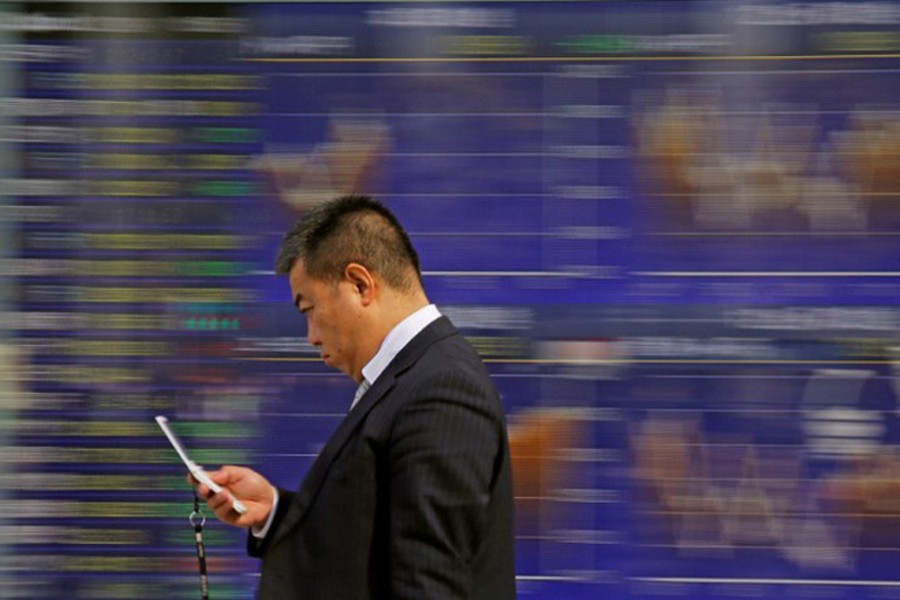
400,310
397,308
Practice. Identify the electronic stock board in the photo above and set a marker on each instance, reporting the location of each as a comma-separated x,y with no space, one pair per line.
670,228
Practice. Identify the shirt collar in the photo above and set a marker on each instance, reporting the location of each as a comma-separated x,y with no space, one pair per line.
397,339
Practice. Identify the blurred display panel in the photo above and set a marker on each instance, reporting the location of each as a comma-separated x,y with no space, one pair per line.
133,218
670,228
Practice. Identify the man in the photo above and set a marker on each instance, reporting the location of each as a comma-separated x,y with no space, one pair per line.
411,497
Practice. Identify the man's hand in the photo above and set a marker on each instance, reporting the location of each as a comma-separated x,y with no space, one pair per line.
254,490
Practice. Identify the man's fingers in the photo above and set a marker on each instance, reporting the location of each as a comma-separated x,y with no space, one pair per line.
221,505
216,501
202,490
222,476
225,476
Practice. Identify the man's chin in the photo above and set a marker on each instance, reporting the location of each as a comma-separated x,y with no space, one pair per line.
331,362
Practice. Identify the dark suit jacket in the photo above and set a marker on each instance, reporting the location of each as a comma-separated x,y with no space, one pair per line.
412,495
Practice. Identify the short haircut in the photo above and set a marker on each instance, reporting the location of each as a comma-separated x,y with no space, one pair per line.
351,229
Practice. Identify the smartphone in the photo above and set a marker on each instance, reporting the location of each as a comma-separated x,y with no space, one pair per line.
195,469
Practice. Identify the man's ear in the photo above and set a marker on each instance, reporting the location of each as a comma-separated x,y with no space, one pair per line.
362,280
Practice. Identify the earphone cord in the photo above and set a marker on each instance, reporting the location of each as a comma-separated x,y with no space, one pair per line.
197,520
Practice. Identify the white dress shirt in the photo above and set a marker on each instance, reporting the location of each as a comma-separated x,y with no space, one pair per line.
395,341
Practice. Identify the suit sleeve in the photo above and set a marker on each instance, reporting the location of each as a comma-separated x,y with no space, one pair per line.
442,457
257,547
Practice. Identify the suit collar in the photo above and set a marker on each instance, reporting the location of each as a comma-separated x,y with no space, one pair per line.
438,329
406,358
397,339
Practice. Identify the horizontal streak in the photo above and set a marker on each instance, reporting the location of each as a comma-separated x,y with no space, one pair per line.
784,72
539,59
288,455
678,361
553,274
887,194
417,74
375,115
739,411
530,234
726,376
765,513
768,273
573,233
472,154
766,112
745,581
306,415
578,151
466,195
555,578
616,361
776,234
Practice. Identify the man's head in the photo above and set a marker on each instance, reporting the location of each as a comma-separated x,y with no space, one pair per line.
354,274
351,229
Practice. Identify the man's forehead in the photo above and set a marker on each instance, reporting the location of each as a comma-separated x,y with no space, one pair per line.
299,267
297,278
303,285
298,274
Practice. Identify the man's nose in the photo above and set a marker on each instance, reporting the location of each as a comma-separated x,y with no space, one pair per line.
312,333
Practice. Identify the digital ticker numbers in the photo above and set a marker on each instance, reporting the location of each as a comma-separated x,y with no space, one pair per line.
130,176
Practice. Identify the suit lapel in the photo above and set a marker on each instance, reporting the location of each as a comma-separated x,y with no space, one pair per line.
438,330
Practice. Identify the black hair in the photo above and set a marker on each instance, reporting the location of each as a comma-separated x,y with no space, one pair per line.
346,230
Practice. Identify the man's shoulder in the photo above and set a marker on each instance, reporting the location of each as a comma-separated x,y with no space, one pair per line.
450,363
451,352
